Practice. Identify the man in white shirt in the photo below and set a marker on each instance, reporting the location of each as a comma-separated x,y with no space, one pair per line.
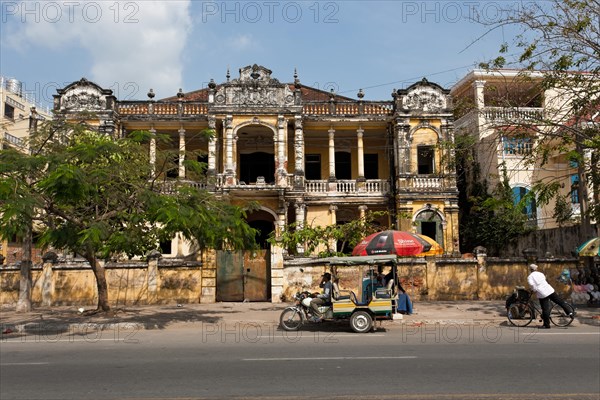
545,293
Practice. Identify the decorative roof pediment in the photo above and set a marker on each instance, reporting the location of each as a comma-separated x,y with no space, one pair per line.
255,87
83,95
424,96
256,75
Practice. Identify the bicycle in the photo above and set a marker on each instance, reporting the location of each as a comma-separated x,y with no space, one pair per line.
522,309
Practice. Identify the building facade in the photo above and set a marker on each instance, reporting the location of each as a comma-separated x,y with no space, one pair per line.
505,111
19,115
305,155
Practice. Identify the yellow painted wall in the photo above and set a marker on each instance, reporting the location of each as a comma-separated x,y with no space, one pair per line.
126,286
424,137
423,279
439,280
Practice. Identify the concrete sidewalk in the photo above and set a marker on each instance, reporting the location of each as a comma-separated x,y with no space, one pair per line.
65,318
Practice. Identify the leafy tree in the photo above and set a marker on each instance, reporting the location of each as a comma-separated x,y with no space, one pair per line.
495,219
311,238
561,38
96,195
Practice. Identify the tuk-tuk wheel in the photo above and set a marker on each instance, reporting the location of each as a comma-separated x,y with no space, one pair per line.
361,322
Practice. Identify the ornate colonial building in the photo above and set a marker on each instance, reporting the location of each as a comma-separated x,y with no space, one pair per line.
305,155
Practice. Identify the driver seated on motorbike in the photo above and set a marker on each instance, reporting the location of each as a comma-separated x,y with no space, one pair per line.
323,298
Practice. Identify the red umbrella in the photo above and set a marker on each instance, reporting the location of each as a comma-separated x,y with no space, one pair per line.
401,243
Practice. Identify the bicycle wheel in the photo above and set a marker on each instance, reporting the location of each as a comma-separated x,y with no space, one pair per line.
520,314
558,316
290,319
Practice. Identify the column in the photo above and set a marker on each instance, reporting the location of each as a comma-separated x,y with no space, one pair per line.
300,216
479,87
333,221
181,152
363,212
447,129
153,150
49,259
299,174
280,162
208,292
152,278
212,147
403,143
234,154
229,171
361,156
331,154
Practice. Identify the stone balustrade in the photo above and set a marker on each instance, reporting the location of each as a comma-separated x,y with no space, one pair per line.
348,108
135,108
351,187
378,187
501,115
424,183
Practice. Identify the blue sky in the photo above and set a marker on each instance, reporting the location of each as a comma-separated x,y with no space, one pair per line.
131,46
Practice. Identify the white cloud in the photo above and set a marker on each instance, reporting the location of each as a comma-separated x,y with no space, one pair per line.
242,42
129,43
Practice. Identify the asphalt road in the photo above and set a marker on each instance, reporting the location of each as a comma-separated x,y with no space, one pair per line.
235,360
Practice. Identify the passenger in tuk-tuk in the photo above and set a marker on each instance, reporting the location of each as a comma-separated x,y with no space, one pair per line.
322,299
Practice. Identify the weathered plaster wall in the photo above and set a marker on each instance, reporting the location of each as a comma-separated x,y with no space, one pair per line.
127,285
440,279
135,283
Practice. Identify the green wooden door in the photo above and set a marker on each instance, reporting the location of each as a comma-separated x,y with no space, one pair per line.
230,279
243,275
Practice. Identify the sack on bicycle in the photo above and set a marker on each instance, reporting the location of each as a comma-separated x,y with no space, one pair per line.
517,301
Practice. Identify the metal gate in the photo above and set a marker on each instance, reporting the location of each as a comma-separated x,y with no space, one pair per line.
243,276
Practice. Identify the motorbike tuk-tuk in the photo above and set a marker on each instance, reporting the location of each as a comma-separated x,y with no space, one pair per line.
373,301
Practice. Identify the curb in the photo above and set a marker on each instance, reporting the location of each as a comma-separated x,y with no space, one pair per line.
55,329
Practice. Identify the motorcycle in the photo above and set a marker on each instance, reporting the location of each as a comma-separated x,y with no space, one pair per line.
293,317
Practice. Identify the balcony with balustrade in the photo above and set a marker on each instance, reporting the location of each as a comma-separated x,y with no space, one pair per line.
314,188
427,184
131,110
500,116
348,108
10,140
176,109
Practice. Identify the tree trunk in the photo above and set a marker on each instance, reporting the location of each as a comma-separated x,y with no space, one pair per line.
582,192
24,302
596,189
100,275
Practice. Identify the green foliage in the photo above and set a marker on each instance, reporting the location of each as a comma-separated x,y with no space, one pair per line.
563,212
92,194
311,238
494,219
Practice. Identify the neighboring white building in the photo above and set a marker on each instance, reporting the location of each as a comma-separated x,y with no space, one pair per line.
19,114
495,107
